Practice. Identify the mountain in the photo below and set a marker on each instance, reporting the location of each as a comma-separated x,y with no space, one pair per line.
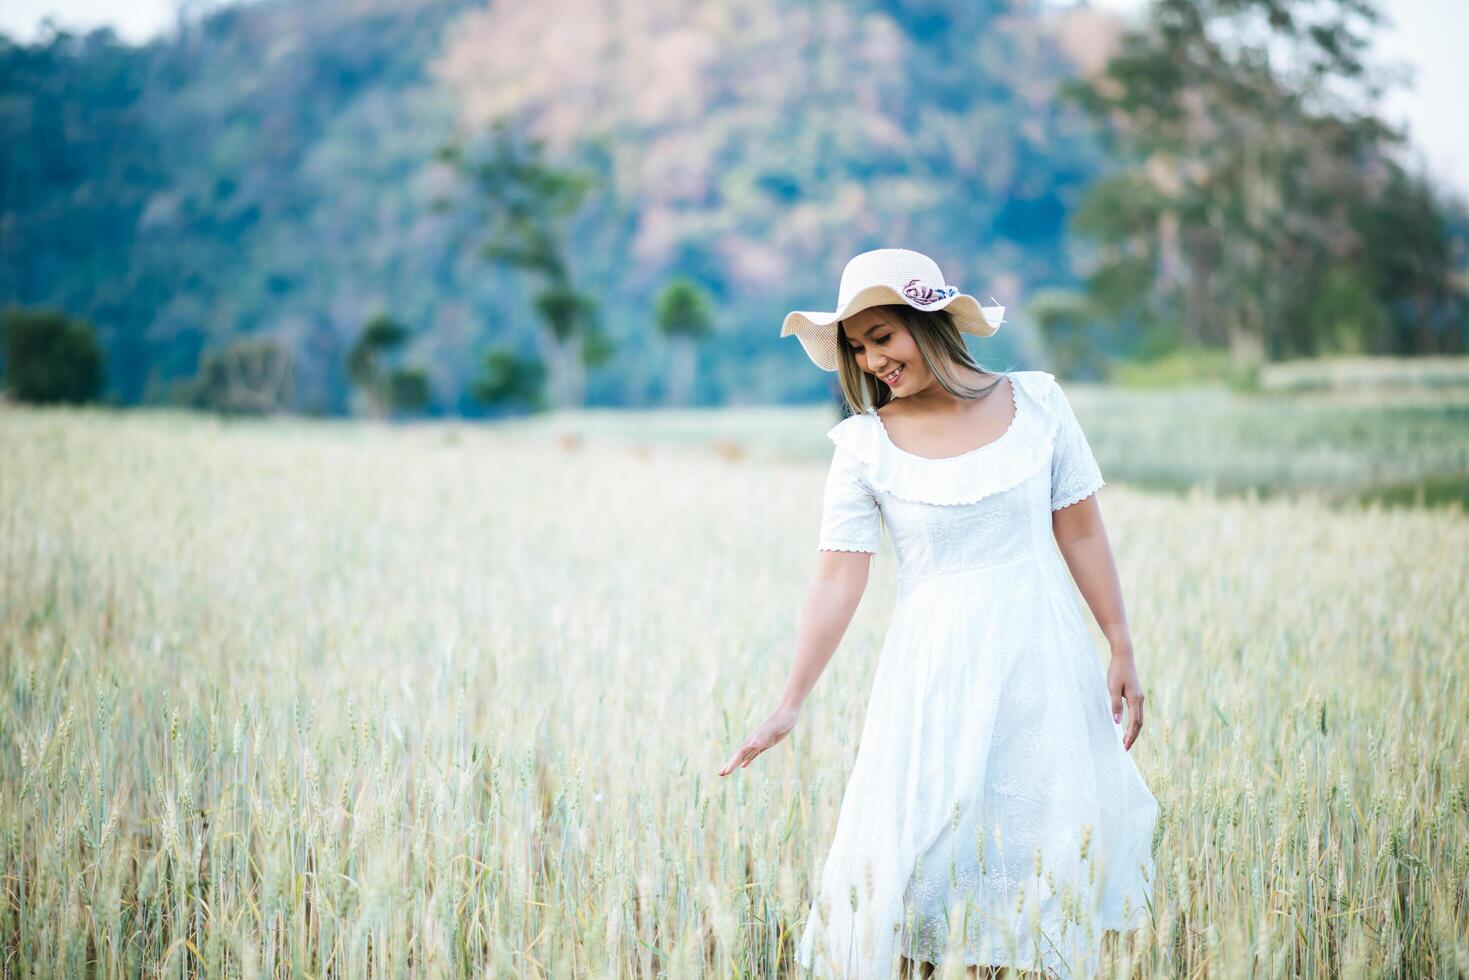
270,172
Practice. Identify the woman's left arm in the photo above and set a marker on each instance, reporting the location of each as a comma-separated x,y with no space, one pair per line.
1083,542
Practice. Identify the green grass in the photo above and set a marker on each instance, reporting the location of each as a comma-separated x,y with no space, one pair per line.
1380,444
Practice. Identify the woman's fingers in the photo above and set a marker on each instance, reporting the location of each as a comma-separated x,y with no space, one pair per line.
732,762
740,759
736,760
1135,713
775,728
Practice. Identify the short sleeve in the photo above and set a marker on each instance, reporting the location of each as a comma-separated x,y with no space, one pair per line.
850,519
1074,471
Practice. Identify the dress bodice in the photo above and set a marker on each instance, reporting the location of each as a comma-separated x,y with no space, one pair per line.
982,508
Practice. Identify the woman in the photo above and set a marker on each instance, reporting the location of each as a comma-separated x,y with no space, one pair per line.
992,802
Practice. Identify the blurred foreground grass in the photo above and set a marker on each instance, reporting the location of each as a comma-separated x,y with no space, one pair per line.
328,699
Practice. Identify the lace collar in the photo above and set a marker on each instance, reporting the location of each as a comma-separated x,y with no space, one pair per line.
992,468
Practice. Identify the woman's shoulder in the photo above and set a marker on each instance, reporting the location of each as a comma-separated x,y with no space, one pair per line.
856,435
1043,390
1036,383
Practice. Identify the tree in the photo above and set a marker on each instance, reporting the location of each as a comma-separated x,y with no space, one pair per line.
251,376
409,389
1067,322
527,204
79,164
509,378
50,357
1410,267
684,318
370,366
1253,156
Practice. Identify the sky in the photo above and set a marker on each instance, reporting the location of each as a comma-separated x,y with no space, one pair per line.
1426,37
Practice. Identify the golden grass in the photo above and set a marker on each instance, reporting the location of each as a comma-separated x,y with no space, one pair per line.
334,699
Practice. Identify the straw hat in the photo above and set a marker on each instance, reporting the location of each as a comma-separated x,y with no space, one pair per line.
879,277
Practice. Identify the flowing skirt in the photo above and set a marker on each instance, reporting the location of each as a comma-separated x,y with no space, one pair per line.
991,802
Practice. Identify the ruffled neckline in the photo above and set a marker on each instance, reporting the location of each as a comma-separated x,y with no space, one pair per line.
1009,431
998,465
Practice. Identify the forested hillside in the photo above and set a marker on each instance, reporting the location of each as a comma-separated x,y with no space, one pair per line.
250,191
270,171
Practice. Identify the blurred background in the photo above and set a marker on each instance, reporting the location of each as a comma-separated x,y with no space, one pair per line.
443,208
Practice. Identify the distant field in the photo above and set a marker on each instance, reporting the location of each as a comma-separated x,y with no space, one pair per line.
1392,445
1355,373
337,699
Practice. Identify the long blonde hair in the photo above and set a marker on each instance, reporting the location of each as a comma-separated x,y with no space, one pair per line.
938,340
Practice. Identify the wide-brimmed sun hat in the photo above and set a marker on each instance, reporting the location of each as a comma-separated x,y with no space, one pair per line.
880,277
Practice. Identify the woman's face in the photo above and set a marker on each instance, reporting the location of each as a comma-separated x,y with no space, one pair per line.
885,349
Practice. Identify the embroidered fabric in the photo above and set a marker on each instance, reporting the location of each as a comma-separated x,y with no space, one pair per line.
850,518
1074,471
991,802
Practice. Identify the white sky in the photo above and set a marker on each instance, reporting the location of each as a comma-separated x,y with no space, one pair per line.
1427,36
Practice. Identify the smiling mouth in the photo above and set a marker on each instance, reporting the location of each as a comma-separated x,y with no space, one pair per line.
892,378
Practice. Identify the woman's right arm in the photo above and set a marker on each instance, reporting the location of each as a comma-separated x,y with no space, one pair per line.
836,588
851,527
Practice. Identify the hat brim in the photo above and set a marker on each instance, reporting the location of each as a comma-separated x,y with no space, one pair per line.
817,330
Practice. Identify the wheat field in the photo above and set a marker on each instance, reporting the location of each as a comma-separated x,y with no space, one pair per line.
340,699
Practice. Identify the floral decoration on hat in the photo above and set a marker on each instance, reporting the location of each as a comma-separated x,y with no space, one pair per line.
925,295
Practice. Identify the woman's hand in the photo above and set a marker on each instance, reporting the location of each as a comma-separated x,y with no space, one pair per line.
1122,683
772,730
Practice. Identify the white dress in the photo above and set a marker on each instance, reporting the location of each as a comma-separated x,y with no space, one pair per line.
991,801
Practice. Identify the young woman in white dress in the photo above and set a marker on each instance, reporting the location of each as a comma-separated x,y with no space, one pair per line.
992,802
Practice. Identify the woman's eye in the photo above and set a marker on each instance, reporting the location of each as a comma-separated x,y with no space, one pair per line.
883,340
